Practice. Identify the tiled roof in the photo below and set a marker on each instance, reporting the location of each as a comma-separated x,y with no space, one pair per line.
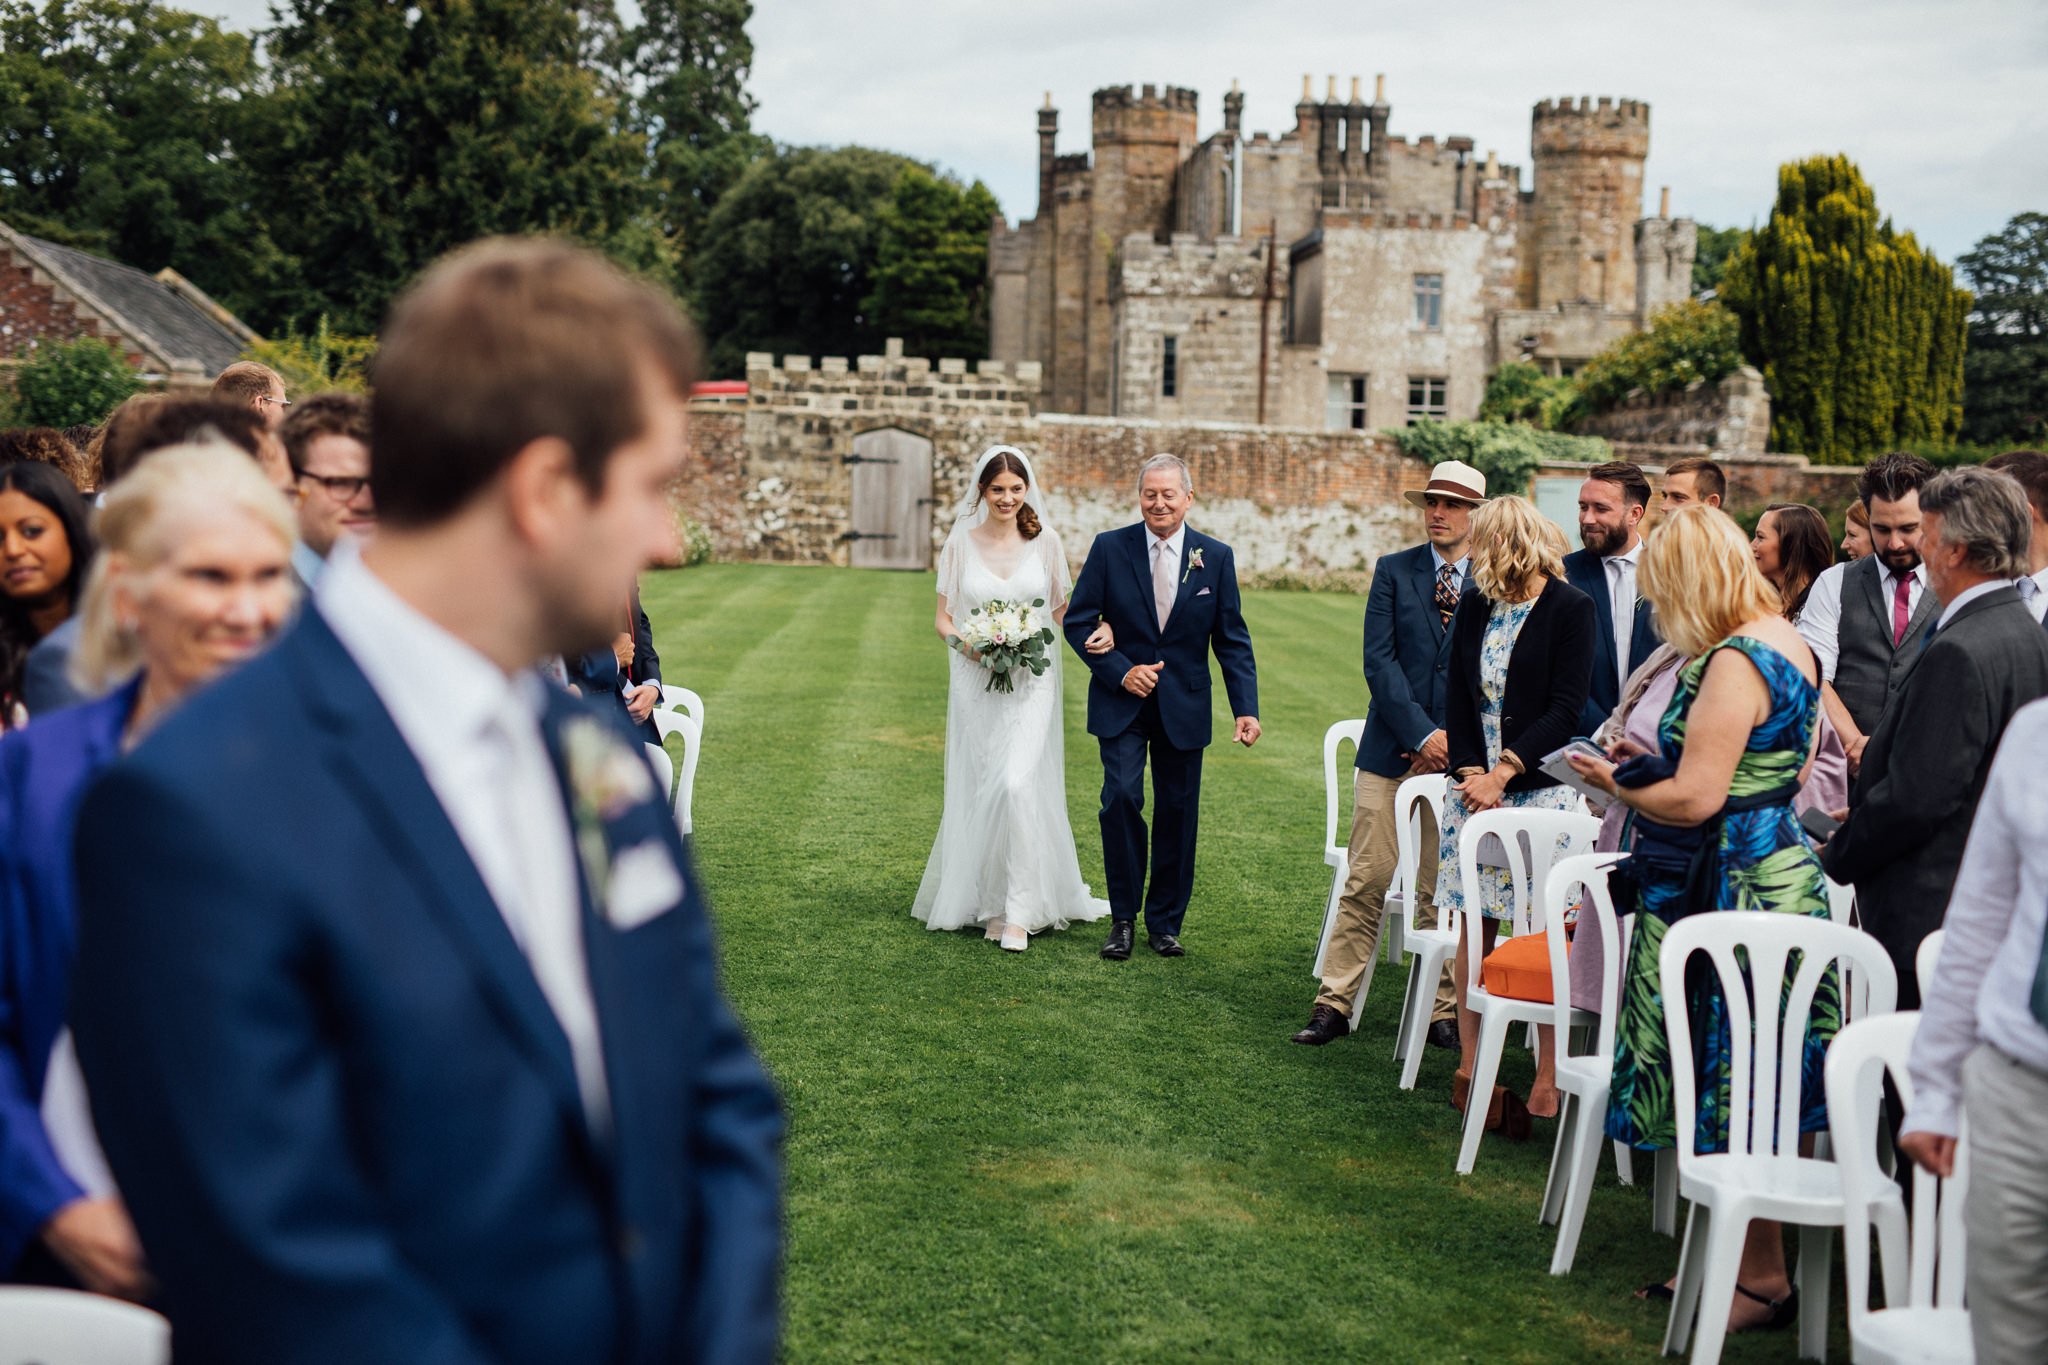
156,317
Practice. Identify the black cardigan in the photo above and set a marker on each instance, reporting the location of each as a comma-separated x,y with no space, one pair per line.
1549,675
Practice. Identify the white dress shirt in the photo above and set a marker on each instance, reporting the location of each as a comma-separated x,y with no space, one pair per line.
476,733
1621,590
2033,591
1821,617
1992,947
1170,548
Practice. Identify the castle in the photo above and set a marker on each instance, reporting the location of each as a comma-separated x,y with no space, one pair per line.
1333,276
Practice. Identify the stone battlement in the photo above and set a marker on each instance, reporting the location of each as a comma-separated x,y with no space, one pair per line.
1605,110
1173,98
891,382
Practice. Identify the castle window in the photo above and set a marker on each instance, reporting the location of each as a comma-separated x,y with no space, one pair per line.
1429,302
1344,409
1169,367
1426,402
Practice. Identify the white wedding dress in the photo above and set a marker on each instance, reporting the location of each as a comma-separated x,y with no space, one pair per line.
1005,849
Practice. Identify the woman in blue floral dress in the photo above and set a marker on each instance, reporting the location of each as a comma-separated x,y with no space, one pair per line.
1732,750
1522,646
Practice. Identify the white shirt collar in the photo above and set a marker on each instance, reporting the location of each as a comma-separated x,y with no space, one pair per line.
1172,542
1891,576
1968,595
1461,565
308,562
441,692
1627,556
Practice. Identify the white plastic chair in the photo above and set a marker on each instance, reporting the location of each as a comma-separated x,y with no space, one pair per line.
65,1327
664,769
1924,959
681,712
1584,1079
1428,949
1923,1319
1336,852
1531,839
1761,1175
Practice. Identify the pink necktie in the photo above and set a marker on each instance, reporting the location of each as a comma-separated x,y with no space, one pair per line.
1899,613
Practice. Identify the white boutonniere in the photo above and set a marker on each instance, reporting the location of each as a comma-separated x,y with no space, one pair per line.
1194,562
606,779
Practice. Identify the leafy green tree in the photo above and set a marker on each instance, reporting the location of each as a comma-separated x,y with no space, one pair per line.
788,255
1685,342
69,384
1858,330
120,123
1716,246
1520,392
2005,373
319,361
931,266
681,73
397,132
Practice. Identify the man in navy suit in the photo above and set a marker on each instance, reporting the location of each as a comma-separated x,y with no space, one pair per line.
1170,595
395,993
1407,650
1612,503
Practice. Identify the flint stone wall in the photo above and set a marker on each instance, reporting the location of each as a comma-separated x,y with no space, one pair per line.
769,483
1732,417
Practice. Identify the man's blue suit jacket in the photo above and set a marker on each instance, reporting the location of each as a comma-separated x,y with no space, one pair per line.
44,771
1583,570
1407,649
1116,585
339,1106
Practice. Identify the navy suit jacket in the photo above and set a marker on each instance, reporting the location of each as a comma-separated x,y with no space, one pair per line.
44,770
340,1108
1584,571
1407,649
1116,585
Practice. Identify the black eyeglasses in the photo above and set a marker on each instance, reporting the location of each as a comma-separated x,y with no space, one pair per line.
341,490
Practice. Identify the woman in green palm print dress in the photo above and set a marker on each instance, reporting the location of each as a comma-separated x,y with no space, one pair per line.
1732,748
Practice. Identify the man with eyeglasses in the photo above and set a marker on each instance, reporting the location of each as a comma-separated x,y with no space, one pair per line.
256,387
327,439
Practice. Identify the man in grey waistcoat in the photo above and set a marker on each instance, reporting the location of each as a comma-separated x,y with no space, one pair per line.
1864,620
1910,810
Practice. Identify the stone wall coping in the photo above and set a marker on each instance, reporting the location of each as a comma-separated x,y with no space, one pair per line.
1170,424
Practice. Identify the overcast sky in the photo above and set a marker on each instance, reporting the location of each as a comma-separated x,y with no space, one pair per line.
1941,102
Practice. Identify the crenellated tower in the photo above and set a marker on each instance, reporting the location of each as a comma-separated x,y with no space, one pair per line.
1588,195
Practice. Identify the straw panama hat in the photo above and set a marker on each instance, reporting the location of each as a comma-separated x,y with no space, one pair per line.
1452,479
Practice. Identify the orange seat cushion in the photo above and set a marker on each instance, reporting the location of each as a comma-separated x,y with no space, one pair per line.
1520,969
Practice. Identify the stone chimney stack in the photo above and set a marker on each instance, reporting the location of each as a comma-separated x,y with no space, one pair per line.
1048,130
1233,109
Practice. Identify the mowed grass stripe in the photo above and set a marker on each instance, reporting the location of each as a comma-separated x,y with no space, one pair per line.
1047,1157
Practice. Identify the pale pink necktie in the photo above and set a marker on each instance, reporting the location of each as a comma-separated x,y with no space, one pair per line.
1900,616
1162,581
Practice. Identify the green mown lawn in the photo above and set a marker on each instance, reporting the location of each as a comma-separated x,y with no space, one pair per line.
1047,1156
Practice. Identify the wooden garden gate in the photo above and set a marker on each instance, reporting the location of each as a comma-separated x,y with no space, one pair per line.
892,500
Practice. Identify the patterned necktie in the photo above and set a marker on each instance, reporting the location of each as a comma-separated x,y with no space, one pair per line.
1901,594
1446,591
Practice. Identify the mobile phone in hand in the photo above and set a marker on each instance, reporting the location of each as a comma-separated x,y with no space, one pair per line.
1819,823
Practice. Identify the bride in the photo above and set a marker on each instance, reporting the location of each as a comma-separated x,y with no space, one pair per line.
1004,856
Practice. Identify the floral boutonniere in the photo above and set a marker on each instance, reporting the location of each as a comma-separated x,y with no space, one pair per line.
1194,562
606,779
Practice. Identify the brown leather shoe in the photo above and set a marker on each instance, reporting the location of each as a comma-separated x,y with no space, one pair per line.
1325,1025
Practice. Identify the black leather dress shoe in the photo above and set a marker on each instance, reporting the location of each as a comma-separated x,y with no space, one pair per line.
1118,947
1444,1033
1166,945
1325,1025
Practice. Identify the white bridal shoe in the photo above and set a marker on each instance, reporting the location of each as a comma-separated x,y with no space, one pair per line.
1015,940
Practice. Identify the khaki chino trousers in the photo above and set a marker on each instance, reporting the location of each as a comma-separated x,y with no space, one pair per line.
1355,937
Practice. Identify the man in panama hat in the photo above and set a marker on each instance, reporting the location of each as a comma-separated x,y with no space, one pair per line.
1407,649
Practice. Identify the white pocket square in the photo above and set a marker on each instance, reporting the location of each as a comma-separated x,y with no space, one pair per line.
644,883
1203,593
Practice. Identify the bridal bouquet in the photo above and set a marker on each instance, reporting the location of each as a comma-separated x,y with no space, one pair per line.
1007,636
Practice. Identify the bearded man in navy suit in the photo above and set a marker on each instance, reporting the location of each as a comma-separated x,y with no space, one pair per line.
1169,593
395,992
1612,503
